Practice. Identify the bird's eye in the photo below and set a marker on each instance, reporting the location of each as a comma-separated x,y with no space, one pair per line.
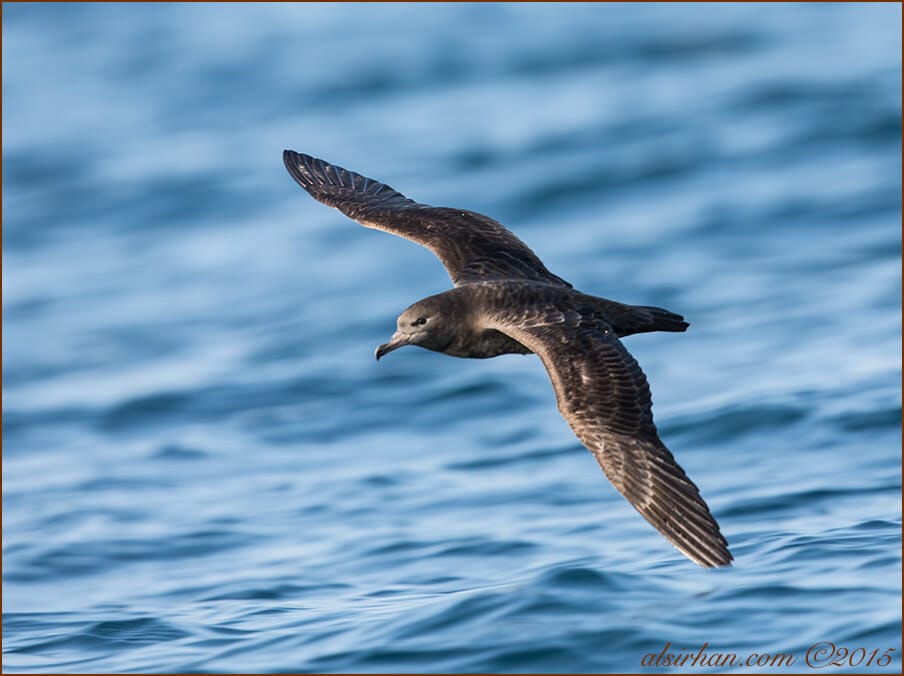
420,321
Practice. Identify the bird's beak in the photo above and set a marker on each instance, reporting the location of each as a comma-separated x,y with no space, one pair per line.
398,340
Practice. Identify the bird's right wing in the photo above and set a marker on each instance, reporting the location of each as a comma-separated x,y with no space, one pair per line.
471,246
604,396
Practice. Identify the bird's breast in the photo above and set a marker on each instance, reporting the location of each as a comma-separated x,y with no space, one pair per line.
484,345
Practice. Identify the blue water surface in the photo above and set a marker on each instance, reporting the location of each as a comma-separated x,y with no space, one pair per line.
205,470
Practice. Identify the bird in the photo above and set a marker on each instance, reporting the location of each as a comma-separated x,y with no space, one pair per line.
505,301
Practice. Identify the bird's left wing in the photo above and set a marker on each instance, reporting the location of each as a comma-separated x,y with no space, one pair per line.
603,394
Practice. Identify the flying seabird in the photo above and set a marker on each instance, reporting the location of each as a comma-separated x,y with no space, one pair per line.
505,301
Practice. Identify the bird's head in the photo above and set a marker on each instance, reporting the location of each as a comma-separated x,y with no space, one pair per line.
425,324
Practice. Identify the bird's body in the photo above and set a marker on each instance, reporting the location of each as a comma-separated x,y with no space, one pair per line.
505,301
475,305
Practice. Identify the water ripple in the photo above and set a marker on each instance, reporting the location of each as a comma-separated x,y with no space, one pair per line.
204,469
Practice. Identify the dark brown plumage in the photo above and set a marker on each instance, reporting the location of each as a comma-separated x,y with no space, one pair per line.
506,301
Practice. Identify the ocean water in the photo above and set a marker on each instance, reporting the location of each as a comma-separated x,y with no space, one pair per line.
205,470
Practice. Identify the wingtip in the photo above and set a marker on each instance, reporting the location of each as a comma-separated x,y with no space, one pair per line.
725,561
288,158
291,158
298,167
711,554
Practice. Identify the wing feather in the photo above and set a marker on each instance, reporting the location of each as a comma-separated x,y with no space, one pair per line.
471,246
603,394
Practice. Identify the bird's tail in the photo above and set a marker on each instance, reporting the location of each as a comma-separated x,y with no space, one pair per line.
630,319
662,320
